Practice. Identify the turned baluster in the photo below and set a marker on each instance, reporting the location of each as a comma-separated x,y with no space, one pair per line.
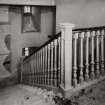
52,62
43,66
59,60
55,63
102,52
28,79
40,66
37,67
24,68
97,54
38,71
30,72
87,56
30,62
33,57
49,59
27,73
23,71
32,68
92,73
81,36
75,37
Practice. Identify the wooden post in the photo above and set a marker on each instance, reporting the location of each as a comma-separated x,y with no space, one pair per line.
52,62
22,68
45,65
87,56
35,78
59,59
55,63
66,55
81,78
92,74
49,59
75,37
102,52
97,54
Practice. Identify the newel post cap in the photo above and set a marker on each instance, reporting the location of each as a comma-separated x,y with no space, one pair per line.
66,25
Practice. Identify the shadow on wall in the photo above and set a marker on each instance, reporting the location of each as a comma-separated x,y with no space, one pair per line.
7,61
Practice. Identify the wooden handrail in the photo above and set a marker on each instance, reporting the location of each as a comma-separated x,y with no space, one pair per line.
55,37
89,28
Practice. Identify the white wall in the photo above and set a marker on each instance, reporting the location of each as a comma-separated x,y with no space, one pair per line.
20,40
82,13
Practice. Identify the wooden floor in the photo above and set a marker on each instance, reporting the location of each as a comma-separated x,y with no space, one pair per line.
26,95
18,95
92,96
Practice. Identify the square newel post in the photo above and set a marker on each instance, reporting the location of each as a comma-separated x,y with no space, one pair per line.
66,55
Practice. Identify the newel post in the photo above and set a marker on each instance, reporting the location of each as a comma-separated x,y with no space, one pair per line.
66,55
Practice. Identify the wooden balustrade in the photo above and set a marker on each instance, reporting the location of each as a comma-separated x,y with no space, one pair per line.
91,55
70,59
43,66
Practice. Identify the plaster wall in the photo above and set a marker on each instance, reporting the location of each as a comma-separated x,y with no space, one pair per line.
82,13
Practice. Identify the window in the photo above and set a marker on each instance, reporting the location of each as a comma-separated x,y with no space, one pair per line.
31,19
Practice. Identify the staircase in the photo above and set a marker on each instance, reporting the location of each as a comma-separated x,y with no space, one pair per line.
71,61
